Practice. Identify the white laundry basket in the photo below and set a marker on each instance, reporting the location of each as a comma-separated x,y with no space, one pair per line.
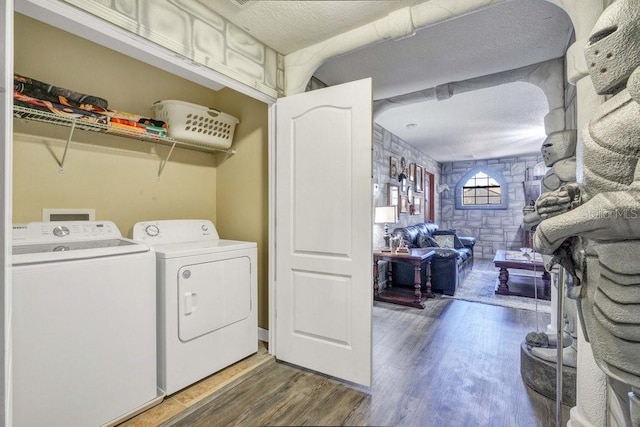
195,123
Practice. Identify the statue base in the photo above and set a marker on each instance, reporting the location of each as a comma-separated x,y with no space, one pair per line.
540,376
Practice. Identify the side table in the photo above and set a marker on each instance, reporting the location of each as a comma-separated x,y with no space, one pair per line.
419,259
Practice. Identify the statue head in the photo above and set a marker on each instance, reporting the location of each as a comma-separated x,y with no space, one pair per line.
558,146
612,52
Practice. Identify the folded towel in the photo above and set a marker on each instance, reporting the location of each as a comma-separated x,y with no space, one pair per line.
46,92
21,99
122,115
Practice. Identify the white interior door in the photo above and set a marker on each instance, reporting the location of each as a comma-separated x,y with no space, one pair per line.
323,264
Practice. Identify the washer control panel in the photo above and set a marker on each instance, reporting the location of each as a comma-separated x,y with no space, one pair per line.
65,230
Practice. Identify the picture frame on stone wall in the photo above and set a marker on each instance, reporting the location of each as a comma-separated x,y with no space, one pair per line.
393,167
412,172
403,207
417,205
393,193
419,178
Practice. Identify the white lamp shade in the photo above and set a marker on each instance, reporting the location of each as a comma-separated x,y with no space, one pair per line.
386,215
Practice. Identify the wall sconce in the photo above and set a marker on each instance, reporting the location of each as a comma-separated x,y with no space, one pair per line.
386,215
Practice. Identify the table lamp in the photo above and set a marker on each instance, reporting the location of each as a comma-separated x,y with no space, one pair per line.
386,215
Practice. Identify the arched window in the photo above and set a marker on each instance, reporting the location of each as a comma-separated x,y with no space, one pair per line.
481,188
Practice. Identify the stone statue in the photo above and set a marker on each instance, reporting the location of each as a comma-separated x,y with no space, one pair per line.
559,154
593,228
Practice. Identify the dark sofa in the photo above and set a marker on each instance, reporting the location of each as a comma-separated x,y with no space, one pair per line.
453,259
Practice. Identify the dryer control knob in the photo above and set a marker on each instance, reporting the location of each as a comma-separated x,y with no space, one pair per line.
152,230
205,227
60,231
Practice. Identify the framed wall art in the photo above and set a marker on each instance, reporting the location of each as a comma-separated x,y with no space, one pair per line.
412,172
419,183
404,204
393,192
417,205
393,167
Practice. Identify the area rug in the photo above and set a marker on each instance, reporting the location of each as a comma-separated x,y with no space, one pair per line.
479,286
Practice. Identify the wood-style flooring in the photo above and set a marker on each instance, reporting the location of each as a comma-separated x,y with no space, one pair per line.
455,363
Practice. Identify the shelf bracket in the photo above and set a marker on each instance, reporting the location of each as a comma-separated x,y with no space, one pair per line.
227,153
66,148
164,162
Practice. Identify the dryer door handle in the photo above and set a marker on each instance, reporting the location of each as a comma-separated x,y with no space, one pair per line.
190,302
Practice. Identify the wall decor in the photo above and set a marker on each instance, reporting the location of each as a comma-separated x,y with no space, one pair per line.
393,167
417,205
419,183
412,172
404,204
393,192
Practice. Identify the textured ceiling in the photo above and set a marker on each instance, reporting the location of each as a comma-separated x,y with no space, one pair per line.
501,121
288,26
503,37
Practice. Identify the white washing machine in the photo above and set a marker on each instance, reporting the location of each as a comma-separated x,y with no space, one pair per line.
207,299
83,325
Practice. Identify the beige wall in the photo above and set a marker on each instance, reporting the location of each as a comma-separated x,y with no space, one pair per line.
118,177
242,191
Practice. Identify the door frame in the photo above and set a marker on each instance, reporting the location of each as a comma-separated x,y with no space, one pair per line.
271,171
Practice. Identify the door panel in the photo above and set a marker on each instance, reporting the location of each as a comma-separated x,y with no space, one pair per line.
323,230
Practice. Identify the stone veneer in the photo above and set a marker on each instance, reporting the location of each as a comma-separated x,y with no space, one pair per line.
193,30
386,144
493,229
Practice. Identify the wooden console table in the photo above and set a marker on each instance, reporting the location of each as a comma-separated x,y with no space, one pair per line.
520,285
419,259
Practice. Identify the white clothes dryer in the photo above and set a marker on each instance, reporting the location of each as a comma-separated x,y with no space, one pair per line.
83,325
207,299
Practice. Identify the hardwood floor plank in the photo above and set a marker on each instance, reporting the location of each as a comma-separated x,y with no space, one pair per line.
455,363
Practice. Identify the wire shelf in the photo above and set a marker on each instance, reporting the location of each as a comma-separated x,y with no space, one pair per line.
35,115
40,116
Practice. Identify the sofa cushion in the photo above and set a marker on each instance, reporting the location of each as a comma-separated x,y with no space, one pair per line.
446,253
426,241
464,254
469,242
409,235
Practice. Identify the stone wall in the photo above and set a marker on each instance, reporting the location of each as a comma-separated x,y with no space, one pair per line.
190,29
493,229
386,144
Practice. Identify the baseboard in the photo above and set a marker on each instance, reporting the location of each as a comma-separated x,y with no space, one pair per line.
263,335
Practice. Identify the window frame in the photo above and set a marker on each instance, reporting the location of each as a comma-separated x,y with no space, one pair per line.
497,177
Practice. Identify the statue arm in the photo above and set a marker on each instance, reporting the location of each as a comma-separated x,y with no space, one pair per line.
607,216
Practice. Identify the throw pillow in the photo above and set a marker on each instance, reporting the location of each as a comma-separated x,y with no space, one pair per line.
445,240
425,241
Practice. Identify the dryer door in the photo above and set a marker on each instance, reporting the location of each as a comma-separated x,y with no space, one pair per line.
213,295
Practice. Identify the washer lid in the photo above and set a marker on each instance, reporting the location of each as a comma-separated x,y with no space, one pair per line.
177,250
39,242
67,251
